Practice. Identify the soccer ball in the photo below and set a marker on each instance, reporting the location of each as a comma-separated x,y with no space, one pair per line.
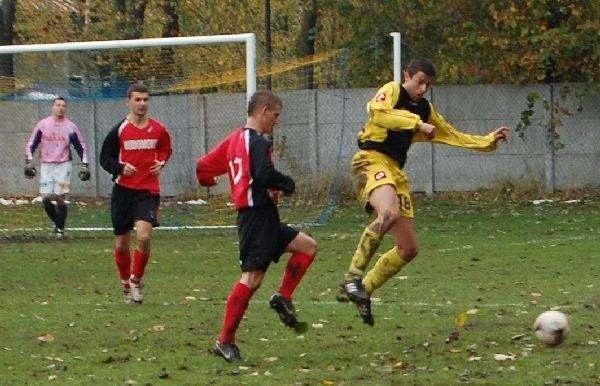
551,327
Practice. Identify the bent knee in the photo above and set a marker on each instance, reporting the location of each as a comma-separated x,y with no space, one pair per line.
304,244
253,285
121,246
410,252
311,247
143,238
252,279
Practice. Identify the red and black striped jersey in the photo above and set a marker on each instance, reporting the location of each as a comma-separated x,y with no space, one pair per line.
140,147
245,155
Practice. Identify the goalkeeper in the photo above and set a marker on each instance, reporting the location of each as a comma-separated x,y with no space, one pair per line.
54,135
399,115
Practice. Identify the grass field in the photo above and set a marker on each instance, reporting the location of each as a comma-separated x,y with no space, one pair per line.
485,270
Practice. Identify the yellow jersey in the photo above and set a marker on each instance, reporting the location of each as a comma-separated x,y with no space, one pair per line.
394,120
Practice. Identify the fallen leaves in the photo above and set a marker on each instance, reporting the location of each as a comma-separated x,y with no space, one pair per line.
505,357
46,338
461,319
453,337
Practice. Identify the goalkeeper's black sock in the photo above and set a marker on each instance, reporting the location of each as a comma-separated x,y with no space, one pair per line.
50,209
61,216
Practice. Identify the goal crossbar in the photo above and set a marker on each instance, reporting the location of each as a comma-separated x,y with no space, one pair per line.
248,38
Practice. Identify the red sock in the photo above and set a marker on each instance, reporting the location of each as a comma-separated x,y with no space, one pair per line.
237,303
294,271
140,260
123,261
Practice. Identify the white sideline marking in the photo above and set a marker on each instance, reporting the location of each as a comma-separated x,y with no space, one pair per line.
165,228
550,241
329,303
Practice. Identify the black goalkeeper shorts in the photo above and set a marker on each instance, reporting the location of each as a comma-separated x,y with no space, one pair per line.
129,205
262,236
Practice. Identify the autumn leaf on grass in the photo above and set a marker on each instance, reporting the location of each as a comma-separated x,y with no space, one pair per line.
505,357
453,337
461,319
46,338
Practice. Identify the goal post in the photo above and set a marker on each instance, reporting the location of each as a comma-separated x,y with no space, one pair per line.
397,56
200,88
249,39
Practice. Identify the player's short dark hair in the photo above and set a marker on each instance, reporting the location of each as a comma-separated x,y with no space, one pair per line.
59,98
137,87
424,65
263,98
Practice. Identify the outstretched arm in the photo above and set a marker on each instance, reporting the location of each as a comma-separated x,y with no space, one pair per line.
382,112
213,164
448,134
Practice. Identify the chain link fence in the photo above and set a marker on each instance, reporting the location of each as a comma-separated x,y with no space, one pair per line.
317,134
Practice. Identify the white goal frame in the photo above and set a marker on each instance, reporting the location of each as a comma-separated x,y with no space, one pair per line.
248,38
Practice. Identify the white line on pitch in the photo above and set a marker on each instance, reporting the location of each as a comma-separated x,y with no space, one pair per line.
165,228
539,241
327,303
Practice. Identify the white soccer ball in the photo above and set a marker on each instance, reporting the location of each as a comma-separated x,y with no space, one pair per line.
551,327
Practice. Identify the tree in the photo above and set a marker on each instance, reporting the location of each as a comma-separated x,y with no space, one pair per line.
305,42
170,29
7,19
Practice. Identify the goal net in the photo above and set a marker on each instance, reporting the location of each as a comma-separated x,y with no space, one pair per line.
199,90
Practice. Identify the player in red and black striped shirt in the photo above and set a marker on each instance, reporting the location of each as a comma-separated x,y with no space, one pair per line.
245,155
135,152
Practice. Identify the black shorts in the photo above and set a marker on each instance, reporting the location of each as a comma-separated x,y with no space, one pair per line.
263,237
129,205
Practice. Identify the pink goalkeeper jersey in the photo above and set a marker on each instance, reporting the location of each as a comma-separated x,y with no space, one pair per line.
54,136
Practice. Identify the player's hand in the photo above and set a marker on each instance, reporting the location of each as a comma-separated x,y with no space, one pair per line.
501,133
427,129
157,167
84,172
275,195
129,169
29,170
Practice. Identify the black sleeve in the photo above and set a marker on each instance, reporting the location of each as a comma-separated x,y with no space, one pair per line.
109,155
36,141
76,142
264,174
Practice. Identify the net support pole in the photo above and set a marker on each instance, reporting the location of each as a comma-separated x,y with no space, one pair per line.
250,66
248,38
397,56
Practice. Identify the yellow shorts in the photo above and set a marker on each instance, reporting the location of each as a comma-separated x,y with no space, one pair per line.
371,169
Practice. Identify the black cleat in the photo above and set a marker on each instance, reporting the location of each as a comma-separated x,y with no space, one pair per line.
230,352
364,310
356,293
58,233
342,295
285,309
355,290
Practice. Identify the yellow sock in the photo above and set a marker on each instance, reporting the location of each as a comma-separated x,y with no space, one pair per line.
368,244
386,267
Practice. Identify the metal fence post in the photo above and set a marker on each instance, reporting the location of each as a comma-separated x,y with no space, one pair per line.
549,158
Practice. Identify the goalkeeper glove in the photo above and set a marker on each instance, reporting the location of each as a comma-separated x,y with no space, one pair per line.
30,171
84,172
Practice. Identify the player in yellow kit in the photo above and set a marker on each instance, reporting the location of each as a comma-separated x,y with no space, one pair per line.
399,115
